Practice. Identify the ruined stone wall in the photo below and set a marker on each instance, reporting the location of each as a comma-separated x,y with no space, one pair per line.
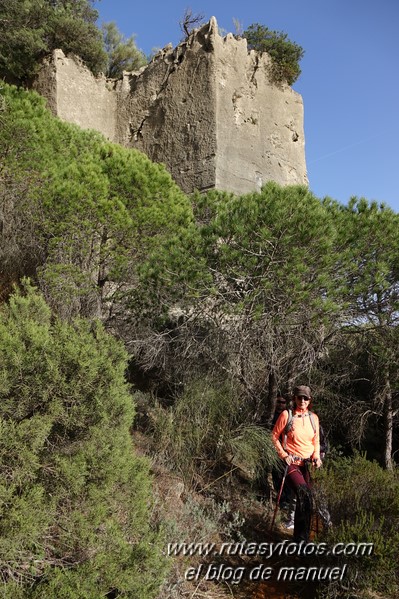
259,125
76,96
168,111
206,109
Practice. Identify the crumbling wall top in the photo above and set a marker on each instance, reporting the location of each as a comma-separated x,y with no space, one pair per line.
206,109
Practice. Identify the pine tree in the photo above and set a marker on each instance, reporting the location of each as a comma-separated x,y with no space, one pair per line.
123,54
32,29
92,214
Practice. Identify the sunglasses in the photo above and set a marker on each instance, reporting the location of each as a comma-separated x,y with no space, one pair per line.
281,401
302,397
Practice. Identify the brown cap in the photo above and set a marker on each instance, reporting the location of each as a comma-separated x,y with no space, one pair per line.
302,390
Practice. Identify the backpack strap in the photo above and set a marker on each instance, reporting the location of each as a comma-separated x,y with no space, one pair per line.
288,427
312,420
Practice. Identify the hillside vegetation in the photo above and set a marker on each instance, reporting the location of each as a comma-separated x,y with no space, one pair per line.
31,29
74,498
208,305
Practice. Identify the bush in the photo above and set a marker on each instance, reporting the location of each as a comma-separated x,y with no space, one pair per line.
32,29
285,54
73,496
364,506
207,427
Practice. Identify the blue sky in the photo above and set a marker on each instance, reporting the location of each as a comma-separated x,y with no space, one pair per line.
349,81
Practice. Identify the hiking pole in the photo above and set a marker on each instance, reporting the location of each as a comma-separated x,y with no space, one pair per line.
278,497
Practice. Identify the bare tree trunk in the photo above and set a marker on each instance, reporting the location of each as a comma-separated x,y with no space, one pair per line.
388,424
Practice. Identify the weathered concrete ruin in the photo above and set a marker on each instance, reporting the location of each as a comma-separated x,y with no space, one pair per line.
206,109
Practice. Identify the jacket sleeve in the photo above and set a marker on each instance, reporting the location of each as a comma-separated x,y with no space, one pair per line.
316,439
277,432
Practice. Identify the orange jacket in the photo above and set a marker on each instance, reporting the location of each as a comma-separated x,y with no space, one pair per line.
302,441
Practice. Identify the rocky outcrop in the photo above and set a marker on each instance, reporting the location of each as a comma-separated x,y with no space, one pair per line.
206,109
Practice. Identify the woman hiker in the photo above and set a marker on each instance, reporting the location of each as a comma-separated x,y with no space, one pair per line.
301,445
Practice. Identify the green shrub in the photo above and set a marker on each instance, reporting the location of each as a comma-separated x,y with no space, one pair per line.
207,427
355,483
363,501
74,497
32,29
285,54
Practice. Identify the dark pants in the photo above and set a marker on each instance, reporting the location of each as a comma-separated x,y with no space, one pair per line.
298,478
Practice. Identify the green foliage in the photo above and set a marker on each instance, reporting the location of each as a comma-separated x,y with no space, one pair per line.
283,290
285,54
22,35
355,483
95,210
198,519
123,54
203,519
261,299
251,450
273,280
73,29
207,427
368,242
73,496
32,29
373,243
276,242
363,501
